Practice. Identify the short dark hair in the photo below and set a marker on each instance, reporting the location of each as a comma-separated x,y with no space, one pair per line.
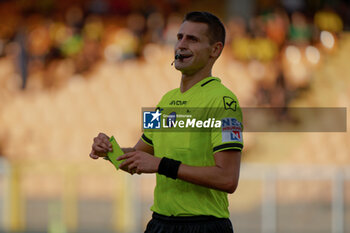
216,30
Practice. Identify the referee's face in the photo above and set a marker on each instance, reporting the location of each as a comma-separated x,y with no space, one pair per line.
194,46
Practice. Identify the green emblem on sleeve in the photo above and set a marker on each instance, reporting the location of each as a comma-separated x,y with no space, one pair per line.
229,103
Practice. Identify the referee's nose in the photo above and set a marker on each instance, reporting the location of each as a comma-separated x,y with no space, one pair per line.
181,44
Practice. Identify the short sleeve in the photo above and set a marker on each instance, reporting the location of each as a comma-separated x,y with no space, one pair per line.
229,136
147,138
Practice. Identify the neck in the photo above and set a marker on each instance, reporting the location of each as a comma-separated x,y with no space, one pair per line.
188,80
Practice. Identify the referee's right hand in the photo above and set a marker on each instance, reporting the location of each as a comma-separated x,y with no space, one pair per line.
101,146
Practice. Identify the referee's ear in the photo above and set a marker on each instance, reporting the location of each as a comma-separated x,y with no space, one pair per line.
216,49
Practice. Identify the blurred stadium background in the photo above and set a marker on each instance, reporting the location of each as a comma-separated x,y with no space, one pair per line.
71,69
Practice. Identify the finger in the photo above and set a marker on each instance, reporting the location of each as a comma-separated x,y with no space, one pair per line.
97,140
93,156
101,154
107,142
132,167
106,146
126,156
97,154
126,163
99,148
100,141
102,136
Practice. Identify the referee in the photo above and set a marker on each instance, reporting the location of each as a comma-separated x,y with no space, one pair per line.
195,170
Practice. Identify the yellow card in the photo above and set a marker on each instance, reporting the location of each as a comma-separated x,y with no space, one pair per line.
113,155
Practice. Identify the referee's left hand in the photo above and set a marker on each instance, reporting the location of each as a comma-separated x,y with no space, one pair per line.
139,162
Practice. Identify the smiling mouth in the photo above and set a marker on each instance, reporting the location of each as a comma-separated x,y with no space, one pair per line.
186,56
183,56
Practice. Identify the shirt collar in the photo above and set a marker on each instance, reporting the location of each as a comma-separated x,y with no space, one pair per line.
206,80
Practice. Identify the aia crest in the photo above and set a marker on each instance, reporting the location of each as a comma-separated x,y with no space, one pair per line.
229,103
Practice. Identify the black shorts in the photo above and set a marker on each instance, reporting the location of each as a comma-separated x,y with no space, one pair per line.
194,224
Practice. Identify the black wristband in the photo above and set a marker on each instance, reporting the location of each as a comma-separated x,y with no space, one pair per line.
169,167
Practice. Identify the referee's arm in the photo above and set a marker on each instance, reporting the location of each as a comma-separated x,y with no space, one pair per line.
223,176
142,146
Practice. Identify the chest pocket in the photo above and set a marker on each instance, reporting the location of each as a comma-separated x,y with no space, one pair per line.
193,150
175,145
178,140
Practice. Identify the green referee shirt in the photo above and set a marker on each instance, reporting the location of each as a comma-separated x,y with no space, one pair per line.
206,99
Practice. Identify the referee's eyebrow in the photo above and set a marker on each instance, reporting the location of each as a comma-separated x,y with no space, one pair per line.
191,37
